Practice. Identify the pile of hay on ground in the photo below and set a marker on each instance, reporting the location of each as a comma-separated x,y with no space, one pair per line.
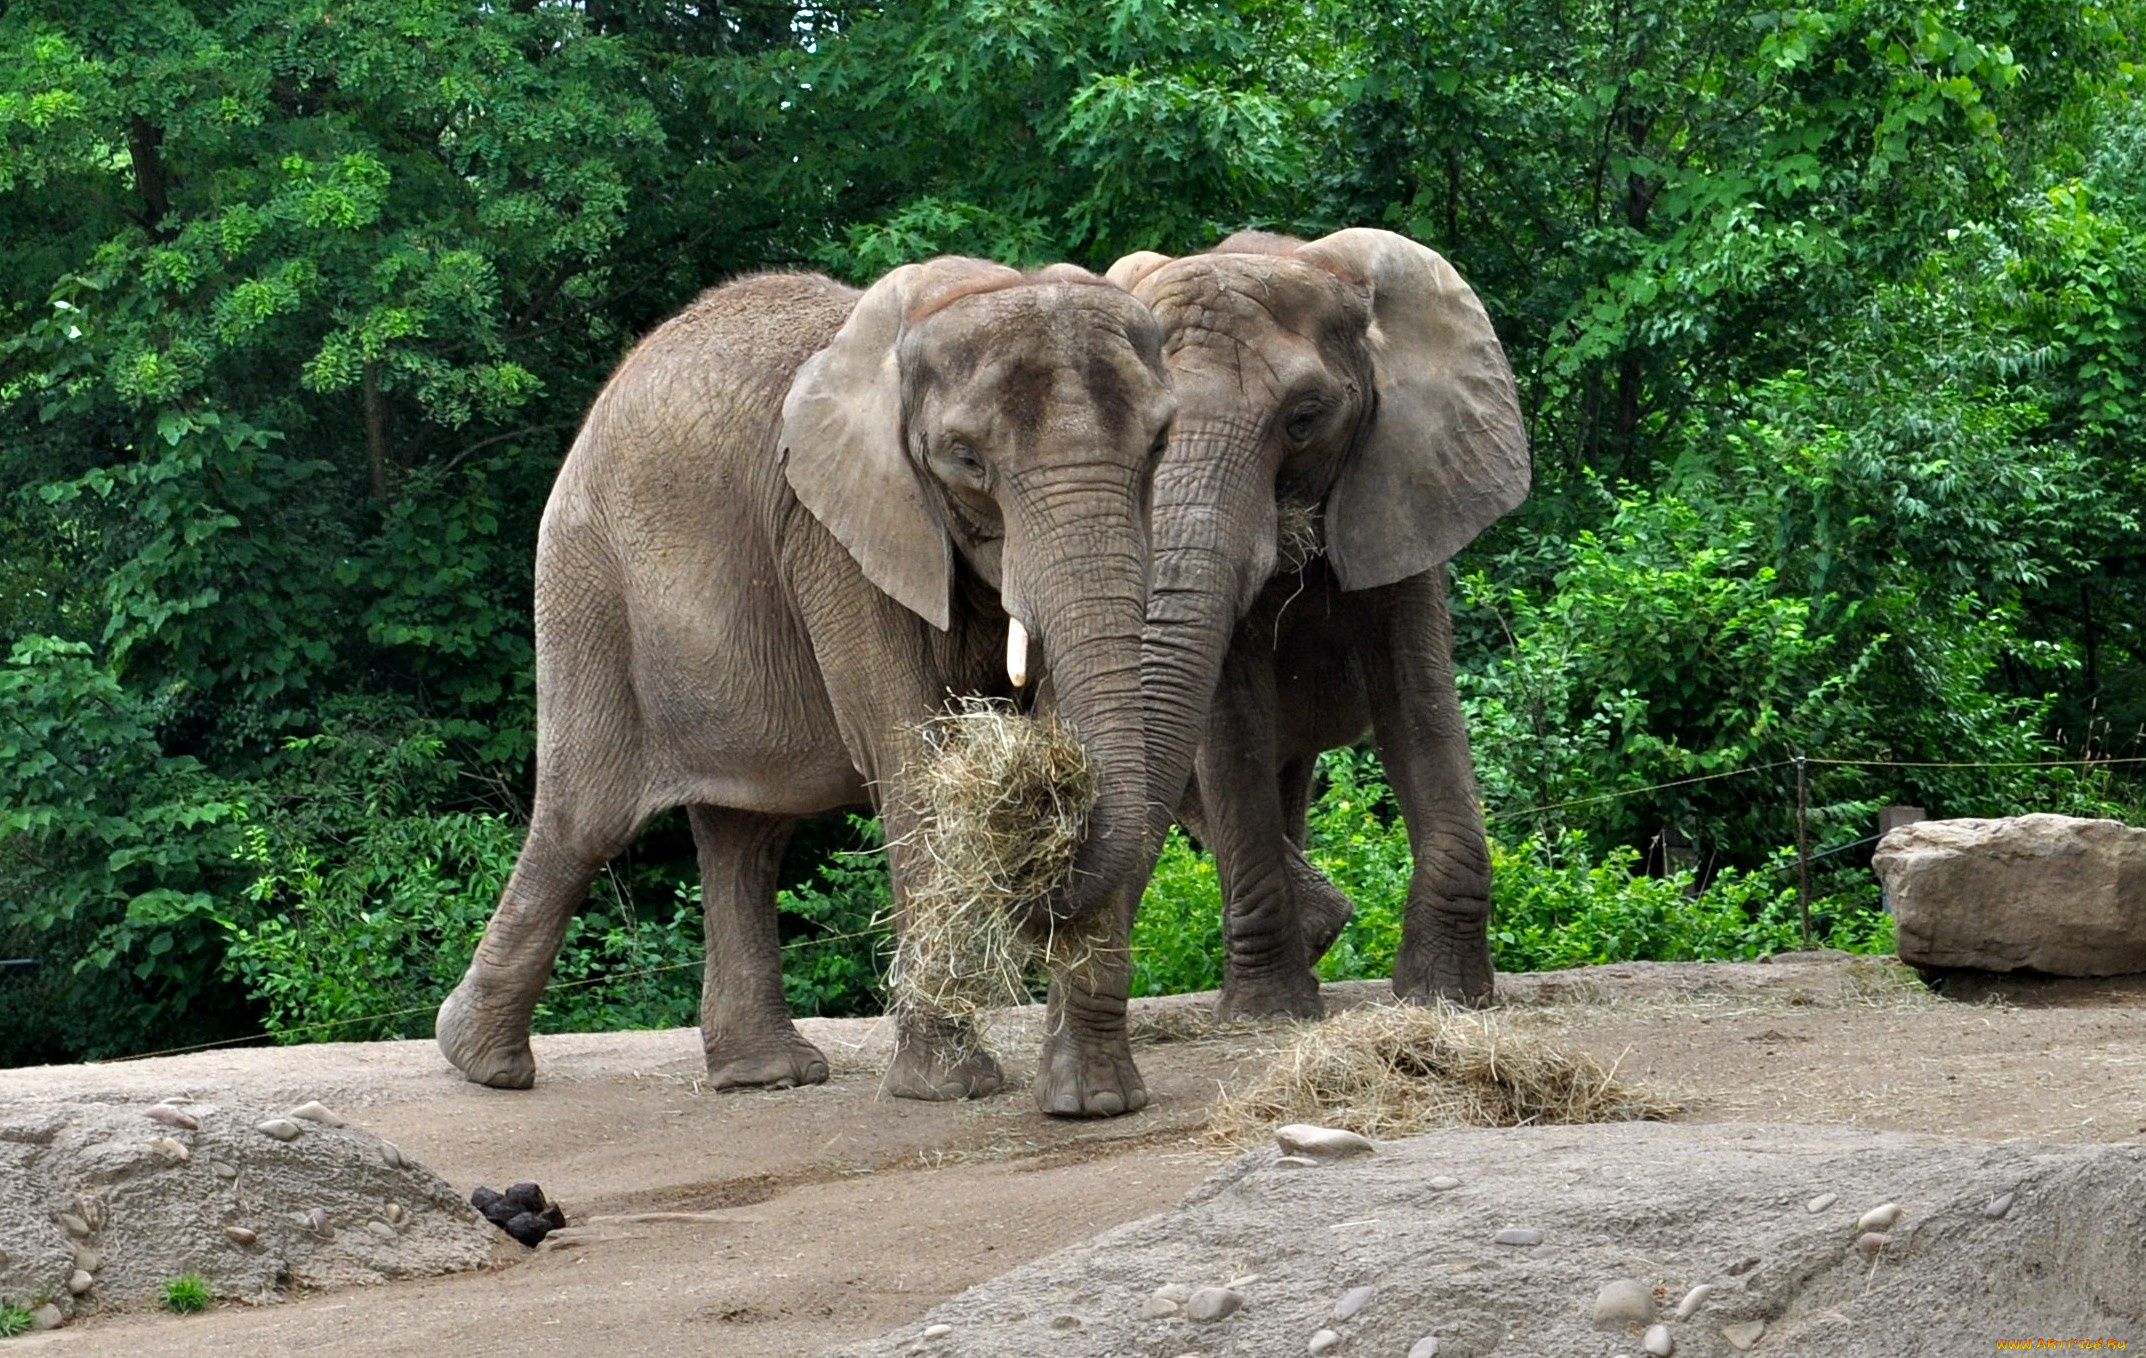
1003,802
1389,1070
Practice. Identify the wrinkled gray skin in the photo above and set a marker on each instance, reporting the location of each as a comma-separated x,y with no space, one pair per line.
1358,377
796,519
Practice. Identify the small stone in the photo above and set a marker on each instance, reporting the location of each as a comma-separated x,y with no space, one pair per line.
1443,1183
1158,1308
240,1235
392,1155
1693,1300
1624,1303
1177,1292
937,1331
47,1317
396,1212
1518,1235
1352,1301
380,1229
1295,1162
1213,1303
1241,1281
174,1117
1821,1203
1657,1341
279,1129
72,1224
1426,1347
1322,1340
1881,1218
1742,1337
171,1150
1870,1242
316,1219
1321,1143
79,1282
222,1170
315,1111
87,1259
1998,1206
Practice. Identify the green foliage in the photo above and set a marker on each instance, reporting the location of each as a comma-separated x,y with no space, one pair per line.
834,960
15,1320
1177,936
188,1293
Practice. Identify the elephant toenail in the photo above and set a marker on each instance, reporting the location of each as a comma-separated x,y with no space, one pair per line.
1108,1104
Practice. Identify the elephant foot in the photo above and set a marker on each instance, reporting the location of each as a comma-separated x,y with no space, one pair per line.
1271,997
783,1061
936,1062
1088,1076
1453,967
485,1048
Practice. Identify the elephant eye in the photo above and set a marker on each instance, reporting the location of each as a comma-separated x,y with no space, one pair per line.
1304,419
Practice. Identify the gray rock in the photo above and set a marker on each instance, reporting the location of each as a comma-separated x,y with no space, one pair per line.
1426,1347
1870,1242
279,1129
1996,1208
1882,1218
1658,1341
1821,1202
240,1235
1693,1300
1526,1236
174,1117
72,1224
171,1150
1321,1341
222,1170
48,1317
1159,1308
395,1212
1214,1303
1177,1292
85,1258
1443,1183
315,1111
1623,1303
1321,1143
79,1282
391,1155
936,1331
1742,1337
2052,893
380,1230
1352,1301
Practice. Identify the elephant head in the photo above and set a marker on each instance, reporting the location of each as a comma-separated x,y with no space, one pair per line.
969,416
1355,374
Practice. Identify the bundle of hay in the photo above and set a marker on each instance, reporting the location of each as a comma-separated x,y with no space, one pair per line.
1299,534
1002,802
1389,1070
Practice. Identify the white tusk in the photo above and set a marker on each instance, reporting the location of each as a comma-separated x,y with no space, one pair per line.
1017,653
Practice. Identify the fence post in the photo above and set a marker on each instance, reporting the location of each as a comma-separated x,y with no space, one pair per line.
1803,849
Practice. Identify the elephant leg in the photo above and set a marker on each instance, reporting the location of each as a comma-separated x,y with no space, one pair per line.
1265,971
1086,1068
745,1026
1407,652
1323,907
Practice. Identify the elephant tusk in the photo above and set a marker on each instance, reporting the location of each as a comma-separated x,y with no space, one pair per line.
1017,652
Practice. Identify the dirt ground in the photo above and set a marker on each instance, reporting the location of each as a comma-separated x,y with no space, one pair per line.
778,1223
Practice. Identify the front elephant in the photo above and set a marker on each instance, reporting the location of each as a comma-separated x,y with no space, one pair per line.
1347,423
796,519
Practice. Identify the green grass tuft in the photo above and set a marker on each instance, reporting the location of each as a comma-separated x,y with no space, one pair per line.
188,1293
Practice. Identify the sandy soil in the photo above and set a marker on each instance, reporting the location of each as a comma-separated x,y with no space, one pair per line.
778,1223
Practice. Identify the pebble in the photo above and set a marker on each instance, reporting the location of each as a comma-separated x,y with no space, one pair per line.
391,1154
395,1213
1426,1347
1821,1203
1623,1303
1693,1300
171,1150
73,1225
1321,1341
1870,1242
47,1317
87,1259
1517,1235
1213,1303
1177,1292
1881,1218
317,1218
936,1331
1742,1337
79,1282
1352,1301
1444,1183
1657,1341
1321,1143
1998,1206
174,1117
315,1111
222,1170
280,1129
240,1235
380,1229
1158,1308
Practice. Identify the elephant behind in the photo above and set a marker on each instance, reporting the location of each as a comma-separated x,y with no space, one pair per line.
796,519
1347,422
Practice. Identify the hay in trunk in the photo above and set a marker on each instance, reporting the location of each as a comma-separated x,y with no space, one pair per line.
1393,1070
1299,534
1002,803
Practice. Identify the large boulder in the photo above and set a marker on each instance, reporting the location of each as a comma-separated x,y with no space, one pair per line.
2052,894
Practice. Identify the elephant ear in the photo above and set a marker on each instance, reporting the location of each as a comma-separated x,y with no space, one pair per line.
1446,453
842,444
1128,272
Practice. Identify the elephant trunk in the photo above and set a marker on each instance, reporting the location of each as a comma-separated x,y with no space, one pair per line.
1081,589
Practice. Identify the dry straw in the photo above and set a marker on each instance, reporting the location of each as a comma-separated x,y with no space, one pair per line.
1299,534
1389,1070
1002,804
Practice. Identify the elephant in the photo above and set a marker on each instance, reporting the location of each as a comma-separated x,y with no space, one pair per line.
796,519
1347,422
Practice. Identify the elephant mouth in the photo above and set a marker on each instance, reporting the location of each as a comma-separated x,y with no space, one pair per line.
1299,534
